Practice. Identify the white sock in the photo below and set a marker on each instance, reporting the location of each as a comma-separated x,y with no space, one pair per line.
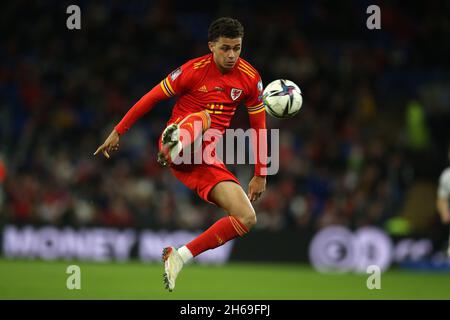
185,254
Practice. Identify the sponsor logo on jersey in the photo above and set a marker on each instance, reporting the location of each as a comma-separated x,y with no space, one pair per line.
175,74
218,89
235,93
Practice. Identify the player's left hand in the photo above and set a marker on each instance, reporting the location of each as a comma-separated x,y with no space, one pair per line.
256,187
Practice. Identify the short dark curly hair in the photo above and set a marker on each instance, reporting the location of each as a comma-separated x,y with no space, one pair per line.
225,27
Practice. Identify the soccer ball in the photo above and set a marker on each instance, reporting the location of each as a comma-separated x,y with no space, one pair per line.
282,98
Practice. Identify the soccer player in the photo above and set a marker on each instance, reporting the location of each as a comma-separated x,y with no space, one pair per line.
209,89
443,198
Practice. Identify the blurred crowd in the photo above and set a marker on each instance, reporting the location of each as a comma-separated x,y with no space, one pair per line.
376,105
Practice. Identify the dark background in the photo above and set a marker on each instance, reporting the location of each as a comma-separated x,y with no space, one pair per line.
367,147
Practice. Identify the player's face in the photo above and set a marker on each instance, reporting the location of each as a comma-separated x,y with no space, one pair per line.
226,51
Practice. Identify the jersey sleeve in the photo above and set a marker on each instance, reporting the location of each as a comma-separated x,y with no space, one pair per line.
175,83
178,81
254,102
257,117
140,108
444,185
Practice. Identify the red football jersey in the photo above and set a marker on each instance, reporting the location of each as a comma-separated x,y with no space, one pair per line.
200,85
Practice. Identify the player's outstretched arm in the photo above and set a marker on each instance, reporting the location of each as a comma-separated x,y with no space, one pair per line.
111,144
257,119
144,105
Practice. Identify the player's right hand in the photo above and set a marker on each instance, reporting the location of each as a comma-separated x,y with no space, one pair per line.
111,144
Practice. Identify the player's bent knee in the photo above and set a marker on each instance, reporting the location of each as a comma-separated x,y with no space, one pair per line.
205,118
250,221
208,119
247,218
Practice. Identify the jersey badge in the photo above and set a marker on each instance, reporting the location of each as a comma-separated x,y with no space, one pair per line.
235,93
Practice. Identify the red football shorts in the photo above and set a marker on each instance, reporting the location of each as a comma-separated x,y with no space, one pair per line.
203,177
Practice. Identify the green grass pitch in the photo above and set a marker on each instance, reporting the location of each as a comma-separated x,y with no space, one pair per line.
27,279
